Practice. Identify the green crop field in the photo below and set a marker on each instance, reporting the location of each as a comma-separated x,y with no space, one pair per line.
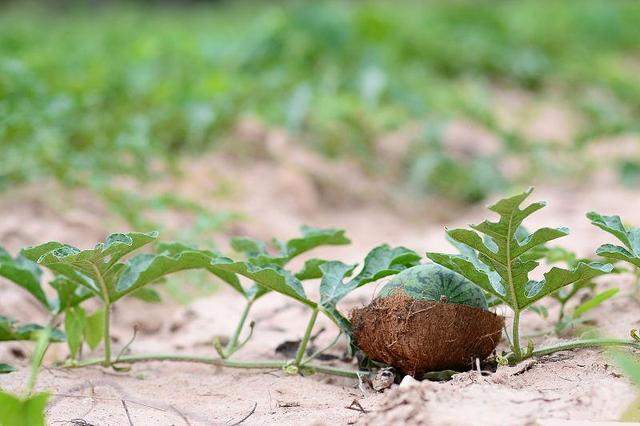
144,83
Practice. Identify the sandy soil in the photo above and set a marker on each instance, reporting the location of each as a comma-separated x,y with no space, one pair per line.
275,198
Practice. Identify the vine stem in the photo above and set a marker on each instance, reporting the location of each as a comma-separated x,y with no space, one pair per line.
576,344
257,364
233,343
107,334
305,339
515,335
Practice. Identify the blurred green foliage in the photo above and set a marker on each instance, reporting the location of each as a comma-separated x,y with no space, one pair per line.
89,92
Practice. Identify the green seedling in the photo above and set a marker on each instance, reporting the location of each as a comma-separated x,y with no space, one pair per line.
498,265
102,272
80,327
628,236
504,262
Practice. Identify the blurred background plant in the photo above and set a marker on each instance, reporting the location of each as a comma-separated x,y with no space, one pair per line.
89,90
630,366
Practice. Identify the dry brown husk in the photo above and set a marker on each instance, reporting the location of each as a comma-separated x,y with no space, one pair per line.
417,336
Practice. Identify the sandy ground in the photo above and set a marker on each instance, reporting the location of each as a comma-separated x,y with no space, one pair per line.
578,386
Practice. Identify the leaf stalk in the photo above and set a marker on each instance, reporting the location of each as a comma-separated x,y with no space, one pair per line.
232,345
107,316
305,339
515,335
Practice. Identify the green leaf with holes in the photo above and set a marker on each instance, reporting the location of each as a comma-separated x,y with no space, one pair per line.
98,270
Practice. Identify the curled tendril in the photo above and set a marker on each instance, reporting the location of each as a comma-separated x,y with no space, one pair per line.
635,335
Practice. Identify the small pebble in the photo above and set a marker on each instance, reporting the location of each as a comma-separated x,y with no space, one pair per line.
408,382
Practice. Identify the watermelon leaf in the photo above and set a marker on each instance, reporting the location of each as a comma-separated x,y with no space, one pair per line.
380,262
24,273
505,259
629,237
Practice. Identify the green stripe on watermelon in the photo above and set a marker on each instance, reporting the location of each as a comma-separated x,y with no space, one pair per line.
434,282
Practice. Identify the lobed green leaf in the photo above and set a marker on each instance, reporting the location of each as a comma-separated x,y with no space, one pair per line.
311,270
630,238
557,278
144,269
311,238
270,277
174,249
508,253
97,269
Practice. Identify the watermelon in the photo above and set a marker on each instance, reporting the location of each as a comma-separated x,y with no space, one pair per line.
436,283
